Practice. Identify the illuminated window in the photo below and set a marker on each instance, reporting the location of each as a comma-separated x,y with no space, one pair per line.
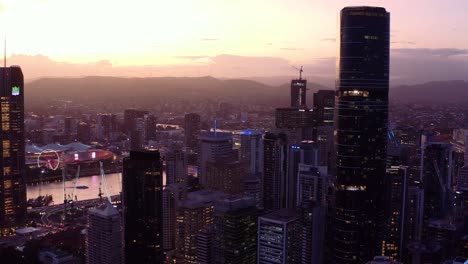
371,37
6,148
356,93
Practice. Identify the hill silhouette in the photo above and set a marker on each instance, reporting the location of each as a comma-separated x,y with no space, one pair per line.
208,88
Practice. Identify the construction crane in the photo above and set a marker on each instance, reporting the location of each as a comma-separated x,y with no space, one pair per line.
104,183
300,71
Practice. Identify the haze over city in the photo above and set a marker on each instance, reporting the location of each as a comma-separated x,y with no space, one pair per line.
223,39
234,132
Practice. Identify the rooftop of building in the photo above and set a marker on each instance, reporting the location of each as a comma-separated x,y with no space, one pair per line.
364,8
215,136
201,198
234,202
105,210
283,215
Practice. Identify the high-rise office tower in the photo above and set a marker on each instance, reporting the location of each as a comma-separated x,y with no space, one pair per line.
298,92
404,211
137,134
142,207
192,131
253,188
437,175
104,239
278,237
205,245
361,118
130,115
235,231
150,127
251,151
106,125
69,122
312,189
12,169
83,132
296,123
225,175
213,146
297,120
173,194
396,241
312,234
275,151
312,184
324,106
305,152
194,214
176,166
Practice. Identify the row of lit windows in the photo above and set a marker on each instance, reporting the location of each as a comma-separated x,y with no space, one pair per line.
356,93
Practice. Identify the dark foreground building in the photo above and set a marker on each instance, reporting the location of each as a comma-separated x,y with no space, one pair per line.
12,156
361,128
142,207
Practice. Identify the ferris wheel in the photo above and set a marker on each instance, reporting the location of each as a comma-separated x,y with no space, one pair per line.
47,159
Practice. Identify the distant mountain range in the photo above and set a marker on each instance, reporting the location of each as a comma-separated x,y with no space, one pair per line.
440,91
209,88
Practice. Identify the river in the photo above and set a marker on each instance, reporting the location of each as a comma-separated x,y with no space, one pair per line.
114,183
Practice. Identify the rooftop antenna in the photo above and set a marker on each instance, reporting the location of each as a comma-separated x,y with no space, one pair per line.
300,71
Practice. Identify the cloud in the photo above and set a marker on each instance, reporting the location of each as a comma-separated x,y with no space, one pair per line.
209,39
191,57
421,52
291,48
329,39
407,66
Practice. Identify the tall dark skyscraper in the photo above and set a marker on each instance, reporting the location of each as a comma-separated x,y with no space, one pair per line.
235,231
12,169
192,130
130,116
275,149
142,207
324,104
361,133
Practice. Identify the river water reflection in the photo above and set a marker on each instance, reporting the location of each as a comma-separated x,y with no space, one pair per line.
114,183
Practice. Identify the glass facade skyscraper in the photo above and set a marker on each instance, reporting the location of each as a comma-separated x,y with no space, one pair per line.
12,169
142,207
361,118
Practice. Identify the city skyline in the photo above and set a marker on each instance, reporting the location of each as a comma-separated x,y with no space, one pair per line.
151,41
207,169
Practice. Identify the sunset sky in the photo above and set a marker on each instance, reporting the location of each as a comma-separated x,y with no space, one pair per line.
213,37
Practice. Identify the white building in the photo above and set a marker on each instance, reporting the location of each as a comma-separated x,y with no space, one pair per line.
104,241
